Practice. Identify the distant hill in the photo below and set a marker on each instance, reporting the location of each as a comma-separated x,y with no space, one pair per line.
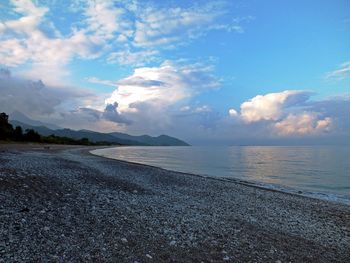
19,116
115,137
162,140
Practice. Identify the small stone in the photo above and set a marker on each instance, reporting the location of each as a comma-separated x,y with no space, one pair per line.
54,258
278,261
24,210
253,219
172,243
226,258
124,240
46,228
135,191
149,256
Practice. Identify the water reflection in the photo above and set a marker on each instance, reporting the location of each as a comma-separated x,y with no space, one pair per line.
320,169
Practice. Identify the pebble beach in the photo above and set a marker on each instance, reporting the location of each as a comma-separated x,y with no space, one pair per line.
63,204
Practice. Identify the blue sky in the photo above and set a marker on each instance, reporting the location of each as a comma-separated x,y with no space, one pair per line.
201,70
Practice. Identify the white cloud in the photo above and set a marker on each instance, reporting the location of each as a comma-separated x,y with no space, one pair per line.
204,108
136,58
341,73
32,17
270,106
196,109
34,97
233,113
101,81
165,26
306,123
152,99
12,52
163,86
138,31
286,113
65,106
22,41
127,33
107,21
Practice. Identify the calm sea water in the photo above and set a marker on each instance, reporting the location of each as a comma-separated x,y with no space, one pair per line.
319,170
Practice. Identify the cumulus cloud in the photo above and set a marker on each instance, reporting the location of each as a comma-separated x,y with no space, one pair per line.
111,113
341,73
163,86
163,100
233,113
287,113
271,106
305,123
153,99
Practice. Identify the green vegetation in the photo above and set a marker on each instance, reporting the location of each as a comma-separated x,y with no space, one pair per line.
8,133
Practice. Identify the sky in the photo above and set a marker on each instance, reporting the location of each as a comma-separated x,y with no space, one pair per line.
209,72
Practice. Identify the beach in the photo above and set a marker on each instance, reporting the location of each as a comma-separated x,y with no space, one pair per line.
63,204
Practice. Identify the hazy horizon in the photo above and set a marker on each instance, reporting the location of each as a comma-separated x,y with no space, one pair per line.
207,72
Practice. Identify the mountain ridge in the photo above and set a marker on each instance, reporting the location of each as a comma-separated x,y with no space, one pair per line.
19,116
113,137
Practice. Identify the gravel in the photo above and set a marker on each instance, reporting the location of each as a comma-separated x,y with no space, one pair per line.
66,205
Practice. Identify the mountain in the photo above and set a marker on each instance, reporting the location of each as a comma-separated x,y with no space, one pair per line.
19,116
117,138
40,129
162,140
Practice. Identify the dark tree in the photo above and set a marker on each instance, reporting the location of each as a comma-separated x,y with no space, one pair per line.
6,128
84,141
32,136
18,134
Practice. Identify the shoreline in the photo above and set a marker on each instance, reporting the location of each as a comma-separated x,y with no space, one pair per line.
330,197
66,204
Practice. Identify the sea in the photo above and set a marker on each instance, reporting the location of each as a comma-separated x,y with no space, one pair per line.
317,171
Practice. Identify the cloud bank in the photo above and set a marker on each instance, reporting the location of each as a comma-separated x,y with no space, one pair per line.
163,100
286,113
65,106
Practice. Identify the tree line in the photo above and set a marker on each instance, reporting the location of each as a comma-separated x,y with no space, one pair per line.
8,133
